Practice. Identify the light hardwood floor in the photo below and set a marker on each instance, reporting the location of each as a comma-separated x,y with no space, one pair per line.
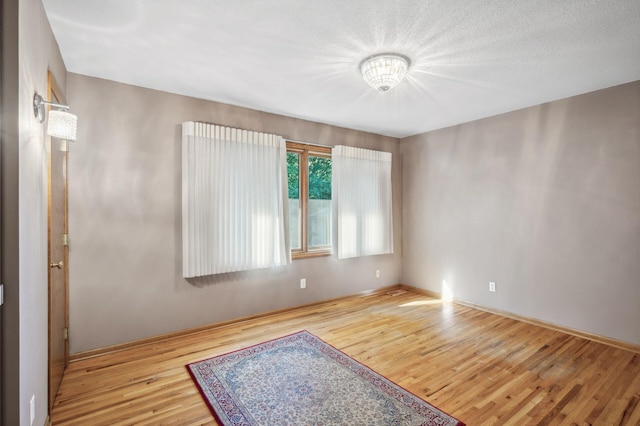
482,368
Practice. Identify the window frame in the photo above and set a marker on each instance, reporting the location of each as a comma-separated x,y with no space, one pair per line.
304,151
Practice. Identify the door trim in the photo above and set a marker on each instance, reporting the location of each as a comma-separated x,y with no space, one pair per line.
54,94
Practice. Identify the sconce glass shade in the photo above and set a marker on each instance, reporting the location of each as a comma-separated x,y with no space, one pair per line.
62,125
382,72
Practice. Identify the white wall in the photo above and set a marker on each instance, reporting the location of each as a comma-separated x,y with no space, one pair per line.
544,201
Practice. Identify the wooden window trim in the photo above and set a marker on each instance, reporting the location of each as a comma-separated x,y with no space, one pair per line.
304,151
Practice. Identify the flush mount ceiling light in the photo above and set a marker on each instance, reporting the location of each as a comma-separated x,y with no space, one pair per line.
61,124
384,71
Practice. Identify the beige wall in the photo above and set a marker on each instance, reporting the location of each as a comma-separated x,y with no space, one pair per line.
9,259
125,220
29,50
544,201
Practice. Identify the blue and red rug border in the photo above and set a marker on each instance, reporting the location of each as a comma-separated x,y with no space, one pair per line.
219,420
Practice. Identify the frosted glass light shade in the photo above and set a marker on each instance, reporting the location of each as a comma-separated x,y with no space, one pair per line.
62,125
382,72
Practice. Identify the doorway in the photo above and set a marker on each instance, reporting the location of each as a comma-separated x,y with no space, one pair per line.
57,156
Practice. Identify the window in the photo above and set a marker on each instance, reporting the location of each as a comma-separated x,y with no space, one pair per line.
309,179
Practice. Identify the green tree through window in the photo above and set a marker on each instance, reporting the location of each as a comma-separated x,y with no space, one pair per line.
319,178
293,175
309,191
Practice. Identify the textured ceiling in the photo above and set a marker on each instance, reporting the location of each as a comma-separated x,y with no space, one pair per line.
469,59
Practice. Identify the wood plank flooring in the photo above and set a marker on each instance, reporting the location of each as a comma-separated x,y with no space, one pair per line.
482,368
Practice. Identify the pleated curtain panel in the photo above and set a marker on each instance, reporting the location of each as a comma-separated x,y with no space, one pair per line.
234,200
361,185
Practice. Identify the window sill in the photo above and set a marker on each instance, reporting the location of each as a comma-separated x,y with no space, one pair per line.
308,254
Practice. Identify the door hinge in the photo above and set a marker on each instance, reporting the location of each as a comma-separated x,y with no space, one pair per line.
65,240
64,145
1,294
65,333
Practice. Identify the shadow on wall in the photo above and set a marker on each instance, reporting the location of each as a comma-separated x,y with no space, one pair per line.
237,277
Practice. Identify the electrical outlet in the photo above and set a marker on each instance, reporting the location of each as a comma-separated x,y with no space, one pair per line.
377,273
492,287
32,409
303,283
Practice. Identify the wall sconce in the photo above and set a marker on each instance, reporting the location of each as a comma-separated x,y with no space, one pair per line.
61,124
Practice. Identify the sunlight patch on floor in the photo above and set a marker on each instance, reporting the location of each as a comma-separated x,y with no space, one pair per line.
422,303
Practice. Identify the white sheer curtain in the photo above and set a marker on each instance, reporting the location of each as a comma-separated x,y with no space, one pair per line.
361,180
234,200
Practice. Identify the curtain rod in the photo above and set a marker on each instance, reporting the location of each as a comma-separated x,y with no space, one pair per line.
307,143
285,138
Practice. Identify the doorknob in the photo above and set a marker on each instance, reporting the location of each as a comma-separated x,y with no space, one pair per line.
56,265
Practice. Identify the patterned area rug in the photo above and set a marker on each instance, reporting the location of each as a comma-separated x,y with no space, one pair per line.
301,380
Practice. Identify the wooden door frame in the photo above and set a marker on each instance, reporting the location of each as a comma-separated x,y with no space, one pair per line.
54,94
